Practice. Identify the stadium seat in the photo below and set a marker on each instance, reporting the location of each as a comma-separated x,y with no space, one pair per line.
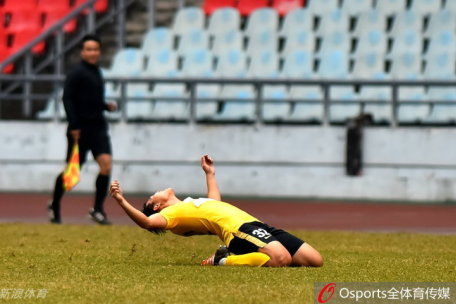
232,40
334,65
298,40
381,112
413,113
260,41
283,7
138,109
23,37
442,113
367,65
406,20
442,41
127,62
371,41
440,65
405,66
224,20
275,107
165,109
207,110
450,5
238,103
318,7
263,19
265,64
332,21
100,6
296,20
232,64
391,7
297,65
52,15
15,5
246,7
157,39
440,21
188,19
210,6
425,7
19,20
310,108
335,41
162,64
198,63
370,20
355,7
48,113
192,40
409,41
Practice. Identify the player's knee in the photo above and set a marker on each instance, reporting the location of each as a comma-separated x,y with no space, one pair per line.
317,260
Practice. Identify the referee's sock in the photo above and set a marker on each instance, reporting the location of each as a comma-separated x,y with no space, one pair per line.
57,197
101,185
257,259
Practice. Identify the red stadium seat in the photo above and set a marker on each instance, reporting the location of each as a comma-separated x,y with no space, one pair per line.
210,6
284,6
53,4
18,20
101,6
51,16
18,5
245,7
4,53
22,38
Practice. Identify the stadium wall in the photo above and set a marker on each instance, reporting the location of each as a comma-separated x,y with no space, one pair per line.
407,163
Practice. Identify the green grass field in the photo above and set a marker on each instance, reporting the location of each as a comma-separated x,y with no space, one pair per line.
117,264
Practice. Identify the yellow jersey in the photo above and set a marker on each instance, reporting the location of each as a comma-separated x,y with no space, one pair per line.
205,216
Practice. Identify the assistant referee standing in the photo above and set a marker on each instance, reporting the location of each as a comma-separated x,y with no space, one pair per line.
84,102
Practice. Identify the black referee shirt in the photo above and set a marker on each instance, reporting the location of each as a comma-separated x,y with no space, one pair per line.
83,96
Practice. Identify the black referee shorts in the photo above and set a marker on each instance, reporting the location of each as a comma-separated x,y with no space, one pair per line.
254,235
94,138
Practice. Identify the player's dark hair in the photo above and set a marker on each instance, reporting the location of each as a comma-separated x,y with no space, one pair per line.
148,210
90,37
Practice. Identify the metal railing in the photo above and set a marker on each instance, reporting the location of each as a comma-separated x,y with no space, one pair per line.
258,84
29,65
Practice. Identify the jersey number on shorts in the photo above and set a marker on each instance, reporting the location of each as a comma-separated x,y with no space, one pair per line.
261,233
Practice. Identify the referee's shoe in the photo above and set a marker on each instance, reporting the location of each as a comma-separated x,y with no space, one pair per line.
98,217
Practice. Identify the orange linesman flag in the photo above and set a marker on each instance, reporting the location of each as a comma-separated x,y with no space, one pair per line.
71,175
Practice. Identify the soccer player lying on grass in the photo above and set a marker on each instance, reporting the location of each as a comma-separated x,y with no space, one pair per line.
248,241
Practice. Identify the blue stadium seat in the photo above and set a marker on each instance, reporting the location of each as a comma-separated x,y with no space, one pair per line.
224,20
355,7
188,19
425,7
263,19
157,39
370,20
260,41
127,62
298,19
192,40
391,7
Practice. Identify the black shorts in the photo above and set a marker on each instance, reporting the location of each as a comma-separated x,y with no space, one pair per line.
94,138
254,235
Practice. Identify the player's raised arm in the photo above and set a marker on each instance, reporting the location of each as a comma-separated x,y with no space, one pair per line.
213,192
149,223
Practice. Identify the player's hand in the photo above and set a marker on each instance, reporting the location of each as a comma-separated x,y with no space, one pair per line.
207,163
116,191
111,106
76,134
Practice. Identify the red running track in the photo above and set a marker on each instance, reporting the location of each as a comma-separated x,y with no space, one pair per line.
289,214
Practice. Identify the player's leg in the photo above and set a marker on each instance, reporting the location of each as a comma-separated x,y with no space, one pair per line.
278,255
302,253
307,256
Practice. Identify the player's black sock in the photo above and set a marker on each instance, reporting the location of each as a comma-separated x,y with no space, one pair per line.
58,193
102,185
